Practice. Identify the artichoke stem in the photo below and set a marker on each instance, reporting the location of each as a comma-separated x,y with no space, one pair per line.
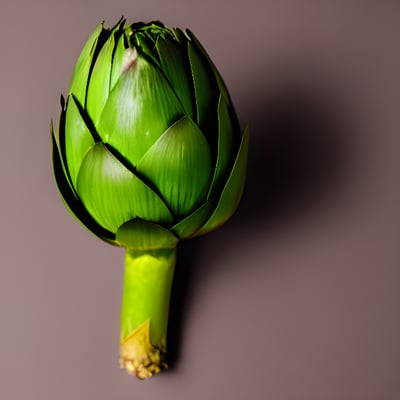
145,306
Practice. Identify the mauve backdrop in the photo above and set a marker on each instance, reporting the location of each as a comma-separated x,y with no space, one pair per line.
297,297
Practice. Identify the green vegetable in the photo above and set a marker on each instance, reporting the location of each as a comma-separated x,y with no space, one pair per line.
148,152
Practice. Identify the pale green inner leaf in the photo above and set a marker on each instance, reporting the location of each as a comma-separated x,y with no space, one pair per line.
139,109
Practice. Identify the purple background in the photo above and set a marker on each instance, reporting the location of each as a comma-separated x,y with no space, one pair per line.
297,297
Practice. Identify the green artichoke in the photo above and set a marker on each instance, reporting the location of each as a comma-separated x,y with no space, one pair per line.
148,152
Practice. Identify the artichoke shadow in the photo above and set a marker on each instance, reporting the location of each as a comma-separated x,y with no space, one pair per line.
299,154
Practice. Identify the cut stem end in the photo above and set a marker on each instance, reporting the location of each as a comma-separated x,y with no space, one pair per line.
138,356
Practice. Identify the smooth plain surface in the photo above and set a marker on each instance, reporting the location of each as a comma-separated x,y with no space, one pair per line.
297,297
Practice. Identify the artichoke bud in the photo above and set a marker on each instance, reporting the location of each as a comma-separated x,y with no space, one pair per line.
149,150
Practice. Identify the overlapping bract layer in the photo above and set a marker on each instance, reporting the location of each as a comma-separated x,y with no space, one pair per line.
148,141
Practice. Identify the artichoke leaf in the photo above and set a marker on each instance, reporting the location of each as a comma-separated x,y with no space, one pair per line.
179,164
140,108
143,235
192,223
113,195
99,83
61,120
145,46
224,155
60,139
118,57
79,139
232,191
176,68
203,79
220,81
83,66
58,145
72,202
179,35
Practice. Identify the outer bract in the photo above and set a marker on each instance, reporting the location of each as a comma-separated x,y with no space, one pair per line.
148,152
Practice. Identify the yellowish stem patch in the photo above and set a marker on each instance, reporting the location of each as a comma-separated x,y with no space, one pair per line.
138,356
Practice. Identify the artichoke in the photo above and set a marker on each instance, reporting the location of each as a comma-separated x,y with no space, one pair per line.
148,152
